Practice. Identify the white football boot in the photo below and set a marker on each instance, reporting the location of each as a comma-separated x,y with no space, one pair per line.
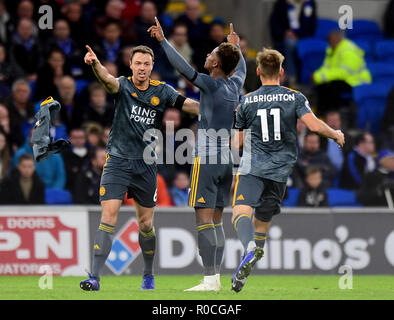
209,283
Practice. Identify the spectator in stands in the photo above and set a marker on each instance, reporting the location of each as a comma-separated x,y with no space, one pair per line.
387,124
290,21
5,157
13,133
80,27
124,62
301,132
25,52
110,46
112,68
62,39
252,81
389,20
71,111
113,11
94,134
23,186
99,110
179,40
333,119
51,171
313,194
216,35
343,68
8,73
376,184
75,157
5,23
358,162
50,75
197,30
105,137
180,191
163,196
170,124
25,9
87,183
142,22
19,106
311,154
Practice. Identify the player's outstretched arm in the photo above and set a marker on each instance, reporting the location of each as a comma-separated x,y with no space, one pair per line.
176,60
240,70
110,83
320,127
191,106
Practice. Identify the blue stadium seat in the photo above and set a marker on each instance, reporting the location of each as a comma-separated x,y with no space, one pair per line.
371,103
381,72
342,198
32,85
365,30
56,196
80,85
384,50
311,53
367,48
292,197
324,27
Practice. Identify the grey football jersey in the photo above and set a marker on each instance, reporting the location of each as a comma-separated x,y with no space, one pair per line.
218,100
270,146
137,111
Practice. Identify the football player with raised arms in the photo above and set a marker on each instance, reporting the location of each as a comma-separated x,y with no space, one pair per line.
211,174
139,106
266,123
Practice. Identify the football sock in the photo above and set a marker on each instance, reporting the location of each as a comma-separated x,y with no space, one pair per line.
147,241
245,229
102,248
206,238
219,245
260,238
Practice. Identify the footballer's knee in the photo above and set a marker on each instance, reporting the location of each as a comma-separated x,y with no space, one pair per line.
145,222
241,209
110,210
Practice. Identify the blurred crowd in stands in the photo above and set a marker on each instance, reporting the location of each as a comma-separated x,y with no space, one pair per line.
36,63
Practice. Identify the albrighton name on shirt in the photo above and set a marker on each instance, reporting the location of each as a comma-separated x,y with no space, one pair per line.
270,97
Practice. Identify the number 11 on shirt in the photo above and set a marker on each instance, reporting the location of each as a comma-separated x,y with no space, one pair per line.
275,112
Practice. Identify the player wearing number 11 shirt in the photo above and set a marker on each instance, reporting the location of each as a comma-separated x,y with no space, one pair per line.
266,124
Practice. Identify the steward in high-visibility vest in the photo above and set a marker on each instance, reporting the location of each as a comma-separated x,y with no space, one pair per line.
344,61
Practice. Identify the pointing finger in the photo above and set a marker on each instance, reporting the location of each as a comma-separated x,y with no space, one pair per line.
157,22
89,49
231,28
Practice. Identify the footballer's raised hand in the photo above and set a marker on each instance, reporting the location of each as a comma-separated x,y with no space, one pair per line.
233,37
156,31
90,56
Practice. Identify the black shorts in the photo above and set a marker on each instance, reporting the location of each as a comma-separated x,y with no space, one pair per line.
262,194
135,177
210,184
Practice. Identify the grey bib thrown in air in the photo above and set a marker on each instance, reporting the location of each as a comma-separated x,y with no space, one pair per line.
43,144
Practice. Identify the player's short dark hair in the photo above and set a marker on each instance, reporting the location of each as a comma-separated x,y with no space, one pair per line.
360,138
229,56
25,156
141,49
312,170
269,62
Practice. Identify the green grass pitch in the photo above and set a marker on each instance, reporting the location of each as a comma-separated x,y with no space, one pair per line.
171,288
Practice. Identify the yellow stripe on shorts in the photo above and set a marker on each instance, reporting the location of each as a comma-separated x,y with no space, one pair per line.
235,188
196,181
